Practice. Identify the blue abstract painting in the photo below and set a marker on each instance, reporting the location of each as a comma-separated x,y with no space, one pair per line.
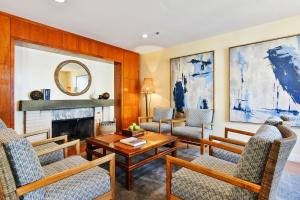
192,81
265,80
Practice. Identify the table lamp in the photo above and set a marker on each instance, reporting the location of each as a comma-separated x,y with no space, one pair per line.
147,90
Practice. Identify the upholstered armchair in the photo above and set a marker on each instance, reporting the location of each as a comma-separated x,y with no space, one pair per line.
197,125
231,148
22,176
160,122
255,176
234,147
47,144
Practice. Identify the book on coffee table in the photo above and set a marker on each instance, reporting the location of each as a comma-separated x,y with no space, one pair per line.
133,141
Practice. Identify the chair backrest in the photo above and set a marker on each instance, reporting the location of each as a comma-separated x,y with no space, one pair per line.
7,181
20,161
198,117
282,120
255,155
2,124
278,157
162,113
264,158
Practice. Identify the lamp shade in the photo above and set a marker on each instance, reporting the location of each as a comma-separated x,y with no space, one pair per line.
148,86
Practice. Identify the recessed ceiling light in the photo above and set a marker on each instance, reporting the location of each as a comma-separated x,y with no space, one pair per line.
145,35
60,1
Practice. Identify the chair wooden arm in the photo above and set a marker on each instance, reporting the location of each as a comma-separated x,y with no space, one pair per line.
208,172
207,124
55,139
62,146
227,140
69,172
237,131
28,134
142,118
222,146
165,120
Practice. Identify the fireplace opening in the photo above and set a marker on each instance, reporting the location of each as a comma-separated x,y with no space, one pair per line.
75,128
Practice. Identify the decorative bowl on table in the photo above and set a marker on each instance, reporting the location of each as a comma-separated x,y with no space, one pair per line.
133,131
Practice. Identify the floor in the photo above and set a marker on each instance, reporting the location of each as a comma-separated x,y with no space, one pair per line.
292,167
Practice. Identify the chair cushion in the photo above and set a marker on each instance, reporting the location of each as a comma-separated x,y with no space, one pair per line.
162,113
7,180
50,157
197,117
227,155
187,131
2,124
251,166
84,186
154,127
192,185
24,163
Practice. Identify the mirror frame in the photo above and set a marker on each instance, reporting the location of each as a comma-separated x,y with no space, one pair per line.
61,88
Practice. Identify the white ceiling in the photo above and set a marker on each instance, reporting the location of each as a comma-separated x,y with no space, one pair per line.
122,22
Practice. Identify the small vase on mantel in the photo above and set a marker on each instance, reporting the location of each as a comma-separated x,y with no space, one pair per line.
94,96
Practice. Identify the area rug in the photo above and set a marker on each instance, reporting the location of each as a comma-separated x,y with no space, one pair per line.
149,181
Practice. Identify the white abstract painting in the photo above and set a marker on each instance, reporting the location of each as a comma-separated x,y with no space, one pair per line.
192,81
265,80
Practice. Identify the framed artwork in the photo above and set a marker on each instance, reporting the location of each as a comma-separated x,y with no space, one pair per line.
265,80
192,81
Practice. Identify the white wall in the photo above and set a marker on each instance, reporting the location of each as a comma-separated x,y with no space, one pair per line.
34,70
157,66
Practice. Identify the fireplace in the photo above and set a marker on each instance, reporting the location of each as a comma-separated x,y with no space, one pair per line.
76,123
80,128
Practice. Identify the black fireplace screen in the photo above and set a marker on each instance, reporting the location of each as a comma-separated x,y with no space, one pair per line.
74,128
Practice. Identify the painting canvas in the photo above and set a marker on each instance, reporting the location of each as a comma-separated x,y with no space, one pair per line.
192,81
265,80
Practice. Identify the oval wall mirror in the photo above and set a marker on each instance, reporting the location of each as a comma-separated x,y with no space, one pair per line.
73,77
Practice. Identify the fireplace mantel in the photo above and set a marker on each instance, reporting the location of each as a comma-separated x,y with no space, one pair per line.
31,105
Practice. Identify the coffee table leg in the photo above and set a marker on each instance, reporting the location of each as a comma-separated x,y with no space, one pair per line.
174,153
129,178
89,149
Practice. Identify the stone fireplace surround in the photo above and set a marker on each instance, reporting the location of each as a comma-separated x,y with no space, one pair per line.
36,118
76,123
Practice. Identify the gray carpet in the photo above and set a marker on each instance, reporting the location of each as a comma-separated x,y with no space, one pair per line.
149,181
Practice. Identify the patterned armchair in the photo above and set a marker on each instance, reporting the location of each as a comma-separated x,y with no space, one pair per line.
22,176
160,122
255,176
234,147
198,123
48,144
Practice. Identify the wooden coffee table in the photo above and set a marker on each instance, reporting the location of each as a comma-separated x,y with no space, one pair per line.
112,143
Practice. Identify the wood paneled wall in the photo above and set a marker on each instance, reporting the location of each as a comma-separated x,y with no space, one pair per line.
5,72
18,29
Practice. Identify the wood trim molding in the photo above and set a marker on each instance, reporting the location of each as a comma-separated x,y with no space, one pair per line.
16,29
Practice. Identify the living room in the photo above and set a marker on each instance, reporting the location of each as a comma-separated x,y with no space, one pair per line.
149,99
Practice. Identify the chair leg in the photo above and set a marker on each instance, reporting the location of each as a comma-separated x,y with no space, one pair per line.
201,149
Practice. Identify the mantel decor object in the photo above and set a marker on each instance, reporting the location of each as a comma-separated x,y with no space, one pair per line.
36,95
46,94
105,95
